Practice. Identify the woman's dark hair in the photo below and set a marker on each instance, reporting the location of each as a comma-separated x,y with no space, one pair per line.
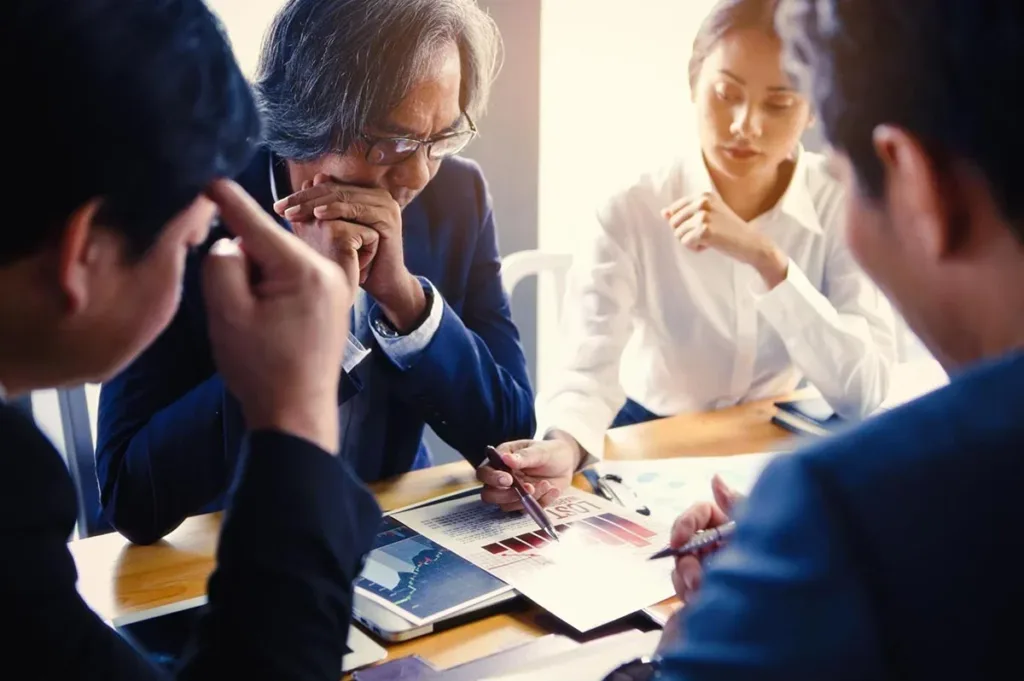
727,16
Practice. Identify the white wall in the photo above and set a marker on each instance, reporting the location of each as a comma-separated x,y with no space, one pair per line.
245,22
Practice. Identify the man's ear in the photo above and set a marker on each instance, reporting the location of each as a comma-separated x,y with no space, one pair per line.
924,211
77,254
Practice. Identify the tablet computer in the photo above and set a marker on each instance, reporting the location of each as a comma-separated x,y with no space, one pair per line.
411,586
162,633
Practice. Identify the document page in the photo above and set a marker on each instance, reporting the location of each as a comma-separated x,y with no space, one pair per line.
596,573
667,487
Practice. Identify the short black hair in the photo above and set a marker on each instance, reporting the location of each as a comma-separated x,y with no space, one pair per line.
727,16
331,68
949,72
137,102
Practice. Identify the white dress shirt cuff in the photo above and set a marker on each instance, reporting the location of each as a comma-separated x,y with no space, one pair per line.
403,351
590,438
355,353
794,304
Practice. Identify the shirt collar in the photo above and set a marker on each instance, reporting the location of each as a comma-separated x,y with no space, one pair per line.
273,178
796,203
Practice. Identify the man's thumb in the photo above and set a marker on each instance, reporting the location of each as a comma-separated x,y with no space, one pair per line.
527,457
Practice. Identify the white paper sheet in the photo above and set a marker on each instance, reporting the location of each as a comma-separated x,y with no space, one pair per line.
597,573
667,487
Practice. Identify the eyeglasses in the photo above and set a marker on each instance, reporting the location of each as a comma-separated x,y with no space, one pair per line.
386,151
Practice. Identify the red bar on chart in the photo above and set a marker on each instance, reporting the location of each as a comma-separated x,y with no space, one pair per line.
638,530
619,532
598,534
534,540
516,545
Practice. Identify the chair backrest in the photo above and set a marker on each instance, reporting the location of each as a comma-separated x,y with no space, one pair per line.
64,415
518,266
80,450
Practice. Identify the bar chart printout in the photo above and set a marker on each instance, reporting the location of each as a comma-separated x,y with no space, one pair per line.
600,544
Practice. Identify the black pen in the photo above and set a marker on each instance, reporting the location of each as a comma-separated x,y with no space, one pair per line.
530,504
701,540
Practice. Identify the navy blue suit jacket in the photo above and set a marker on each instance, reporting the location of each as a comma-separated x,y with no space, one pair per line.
169,434
280,600
891,552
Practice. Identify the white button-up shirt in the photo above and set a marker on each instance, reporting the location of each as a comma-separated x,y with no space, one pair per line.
679,331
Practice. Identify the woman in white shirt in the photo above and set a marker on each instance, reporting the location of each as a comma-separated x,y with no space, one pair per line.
720,279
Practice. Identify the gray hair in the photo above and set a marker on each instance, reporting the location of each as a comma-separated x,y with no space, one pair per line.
330,68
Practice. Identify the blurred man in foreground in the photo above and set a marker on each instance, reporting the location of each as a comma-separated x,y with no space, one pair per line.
133,112
890,552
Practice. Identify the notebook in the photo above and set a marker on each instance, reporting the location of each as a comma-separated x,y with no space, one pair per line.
812,416
908,381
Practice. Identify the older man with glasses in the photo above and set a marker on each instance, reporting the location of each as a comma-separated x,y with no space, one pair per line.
366,105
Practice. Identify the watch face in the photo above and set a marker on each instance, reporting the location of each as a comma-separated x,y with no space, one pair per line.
640,669
384,329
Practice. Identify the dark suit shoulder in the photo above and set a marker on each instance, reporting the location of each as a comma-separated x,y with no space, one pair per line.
458,192
948,465
37,489
927,498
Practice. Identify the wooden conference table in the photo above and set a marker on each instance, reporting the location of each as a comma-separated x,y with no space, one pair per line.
117,578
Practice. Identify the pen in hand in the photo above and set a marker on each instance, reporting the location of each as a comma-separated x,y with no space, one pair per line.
701,540
530,505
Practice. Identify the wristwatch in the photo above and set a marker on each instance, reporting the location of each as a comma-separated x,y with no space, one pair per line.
384,328
639,669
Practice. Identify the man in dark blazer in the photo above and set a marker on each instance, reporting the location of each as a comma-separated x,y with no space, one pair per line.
133,112
361,144
893,551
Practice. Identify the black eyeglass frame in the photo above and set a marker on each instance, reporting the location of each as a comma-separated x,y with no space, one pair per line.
371,142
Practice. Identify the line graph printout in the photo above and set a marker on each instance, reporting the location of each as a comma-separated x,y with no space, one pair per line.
420,580
598,572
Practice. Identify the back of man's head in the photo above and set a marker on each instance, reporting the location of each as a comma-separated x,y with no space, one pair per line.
948,71
921,98
137,103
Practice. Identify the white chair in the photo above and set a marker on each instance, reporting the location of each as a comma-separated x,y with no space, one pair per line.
522,264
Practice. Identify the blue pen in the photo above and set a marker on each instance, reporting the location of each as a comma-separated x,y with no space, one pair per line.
701,540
